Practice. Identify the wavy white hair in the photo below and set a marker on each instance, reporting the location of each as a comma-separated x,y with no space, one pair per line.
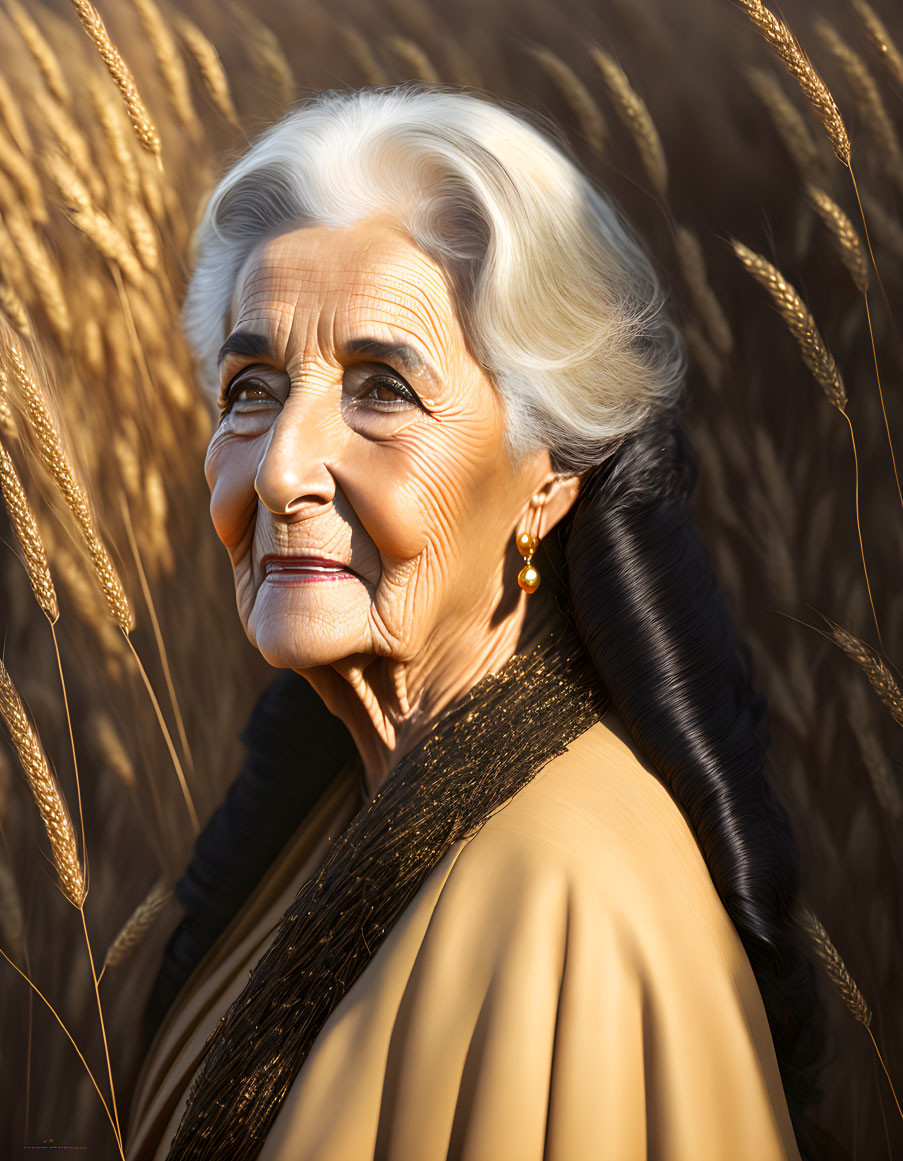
558,300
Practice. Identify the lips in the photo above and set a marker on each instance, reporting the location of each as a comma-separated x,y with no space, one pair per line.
299,569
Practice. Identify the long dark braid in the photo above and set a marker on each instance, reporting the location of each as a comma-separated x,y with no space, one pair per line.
651,616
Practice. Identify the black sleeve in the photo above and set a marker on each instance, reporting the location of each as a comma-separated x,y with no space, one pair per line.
294,748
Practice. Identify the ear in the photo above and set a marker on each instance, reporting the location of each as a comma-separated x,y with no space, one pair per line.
552,499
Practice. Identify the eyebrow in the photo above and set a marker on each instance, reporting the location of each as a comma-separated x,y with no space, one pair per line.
245,343
406,356
255,345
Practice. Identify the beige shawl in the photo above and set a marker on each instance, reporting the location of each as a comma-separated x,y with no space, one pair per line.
565,985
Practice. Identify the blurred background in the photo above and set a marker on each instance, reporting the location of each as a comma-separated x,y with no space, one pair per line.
699,131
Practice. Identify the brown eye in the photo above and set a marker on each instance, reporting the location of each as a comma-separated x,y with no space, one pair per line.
388,389
247,391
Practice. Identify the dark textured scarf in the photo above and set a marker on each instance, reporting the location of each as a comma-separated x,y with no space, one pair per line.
481,751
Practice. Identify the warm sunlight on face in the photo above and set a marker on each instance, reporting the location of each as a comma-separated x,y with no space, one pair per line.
358,475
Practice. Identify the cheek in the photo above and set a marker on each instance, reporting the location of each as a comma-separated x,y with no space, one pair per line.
230,469
407,499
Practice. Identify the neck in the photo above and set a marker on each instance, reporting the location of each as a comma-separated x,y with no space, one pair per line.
389,706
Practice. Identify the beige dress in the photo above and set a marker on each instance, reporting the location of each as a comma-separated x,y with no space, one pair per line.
565,985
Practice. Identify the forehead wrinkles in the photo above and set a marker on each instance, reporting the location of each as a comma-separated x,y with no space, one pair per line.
402,289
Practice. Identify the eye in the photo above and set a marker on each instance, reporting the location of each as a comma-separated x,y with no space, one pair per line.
380,391
247,390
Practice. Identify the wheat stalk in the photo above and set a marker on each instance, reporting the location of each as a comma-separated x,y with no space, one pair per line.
880,677
802,326
592,123
414,57
54,457
14,309
785,44
7,420
44,790
143,236
42,271
41,52
11,115
886,790
864,89
85,601
119,71
266,53
112,750
25,527
91,220
634,113
70,140
363,56
25,179
835,968
109,116
881,40
788,121
210,67
138,924
692,264
171,66
845,235
704,355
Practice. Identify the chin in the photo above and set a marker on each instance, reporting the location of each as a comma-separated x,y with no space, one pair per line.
304,626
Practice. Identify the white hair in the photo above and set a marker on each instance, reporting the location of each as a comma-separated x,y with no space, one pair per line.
559,302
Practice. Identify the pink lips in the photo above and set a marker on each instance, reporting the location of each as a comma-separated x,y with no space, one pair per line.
300,570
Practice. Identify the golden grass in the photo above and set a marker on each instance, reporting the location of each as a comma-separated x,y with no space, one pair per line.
22,173
590,118
836,970
881,40
800,322
788,121
111,749
844,234
879,675
25,527
11,117
41,52
705,301
884,783
266,53
633,112
108,115
44,790
42,271
210,67
59,466
137,925
362,54
867,97
141,121
784,43
91,220
171,66
61,128
15,310
414,58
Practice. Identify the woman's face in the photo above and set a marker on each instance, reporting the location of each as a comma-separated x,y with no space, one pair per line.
358,475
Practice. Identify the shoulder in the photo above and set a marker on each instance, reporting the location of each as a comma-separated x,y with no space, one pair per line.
597,832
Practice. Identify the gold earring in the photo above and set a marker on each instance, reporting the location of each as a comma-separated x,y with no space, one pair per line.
528,577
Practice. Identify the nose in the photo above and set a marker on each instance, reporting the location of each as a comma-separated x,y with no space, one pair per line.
292,476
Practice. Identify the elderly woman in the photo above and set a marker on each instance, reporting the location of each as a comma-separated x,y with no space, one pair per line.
520,888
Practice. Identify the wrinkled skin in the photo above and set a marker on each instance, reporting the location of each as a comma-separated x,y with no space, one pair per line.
323,452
